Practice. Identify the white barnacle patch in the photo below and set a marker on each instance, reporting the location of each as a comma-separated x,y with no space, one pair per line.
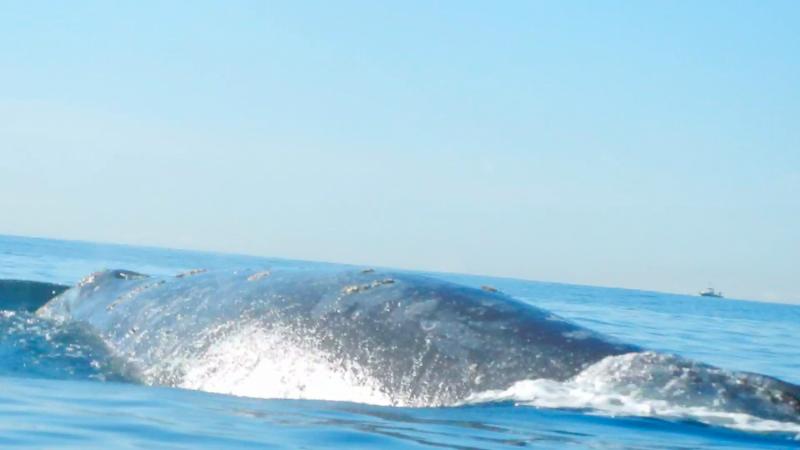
377,283
347,290
258,275
353,288
128,275
91,278
190,273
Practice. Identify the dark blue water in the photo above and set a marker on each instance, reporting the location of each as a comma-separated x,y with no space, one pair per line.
61,387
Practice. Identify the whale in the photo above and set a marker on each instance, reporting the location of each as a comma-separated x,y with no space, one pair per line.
406,331
386,337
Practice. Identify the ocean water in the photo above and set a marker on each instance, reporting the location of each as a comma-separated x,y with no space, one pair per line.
63,386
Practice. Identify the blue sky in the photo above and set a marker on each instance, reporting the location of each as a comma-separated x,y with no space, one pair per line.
651,145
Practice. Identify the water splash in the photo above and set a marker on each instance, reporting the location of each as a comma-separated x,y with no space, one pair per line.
650,384
34,347
278,363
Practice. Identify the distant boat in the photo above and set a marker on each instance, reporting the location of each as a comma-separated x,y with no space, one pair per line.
710,292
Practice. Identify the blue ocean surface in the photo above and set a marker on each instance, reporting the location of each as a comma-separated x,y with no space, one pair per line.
63,386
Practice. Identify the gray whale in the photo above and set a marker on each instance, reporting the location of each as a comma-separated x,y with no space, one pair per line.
418,341
406,331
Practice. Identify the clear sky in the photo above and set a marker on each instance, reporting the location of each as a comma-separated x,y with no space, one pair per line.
651,145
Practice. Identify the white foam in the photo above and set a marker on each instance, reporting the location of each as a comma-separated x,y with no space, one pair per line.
252,362
602,389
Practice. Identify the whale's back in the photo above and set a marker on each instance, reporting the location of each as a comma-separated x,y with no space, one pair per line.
417,340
